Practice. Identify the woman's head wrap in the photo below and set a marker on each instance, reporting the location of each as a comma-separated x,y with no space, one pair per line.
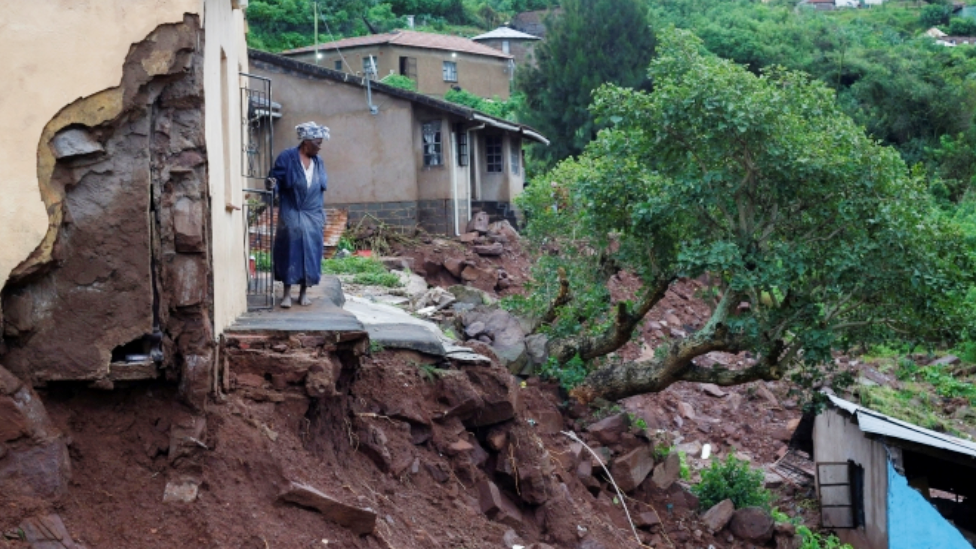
311,130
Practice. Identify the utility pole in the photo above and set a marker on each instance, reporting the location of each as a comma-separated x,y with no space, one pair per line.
315,11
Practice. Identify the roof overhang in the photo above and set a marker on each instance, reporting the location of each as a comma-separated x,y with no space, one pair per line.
876,423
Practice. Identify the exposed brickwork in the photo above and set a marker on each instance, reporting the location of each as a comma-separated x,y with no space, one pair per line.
396,214
436,216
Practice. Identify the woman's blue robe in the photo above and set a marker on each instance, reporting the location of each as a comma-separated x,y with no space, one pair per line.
298,242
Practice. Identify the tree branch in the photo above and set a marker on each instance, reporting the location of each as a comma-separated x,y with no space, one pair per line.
614,337
562,298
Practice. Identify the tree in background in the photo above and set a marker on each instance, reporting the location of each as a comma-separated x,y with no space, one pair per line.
591,43
815,237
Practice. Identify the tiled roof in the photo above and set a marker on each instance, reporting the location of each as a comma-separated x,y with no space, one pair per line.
409,38
505,33
259,58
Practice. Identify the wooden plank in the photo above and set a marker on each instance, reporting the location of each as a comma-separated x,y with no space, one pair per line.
833,473
835,495
837,517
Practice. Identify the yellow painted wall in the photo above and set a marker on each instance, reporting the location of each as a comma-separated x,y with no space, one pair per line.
55,52
58,51
224,39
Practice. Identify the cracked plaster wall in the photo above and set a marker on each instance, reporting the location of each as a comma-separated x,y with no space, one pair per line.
79,279
56,52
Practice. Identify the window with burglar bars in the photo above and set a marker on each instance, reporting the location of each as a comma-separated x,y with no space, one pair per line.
338,64
493,153
450,71
432,143
462,145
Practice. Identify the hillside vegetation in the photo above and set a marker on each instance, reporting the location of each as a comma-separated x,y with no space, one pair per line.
276,25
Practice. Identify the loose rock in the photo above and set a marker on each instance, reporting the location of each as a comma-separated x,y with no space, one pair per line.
630,469
719,515
359,521
752,524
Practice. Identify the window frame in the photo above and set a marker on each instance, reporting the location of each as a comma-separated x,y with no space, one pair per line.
463,152
434,150
494,160
366,60
452,74
337,65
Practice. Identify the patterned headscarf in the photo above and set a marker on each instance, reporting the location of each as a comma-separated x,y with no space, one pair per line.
311,130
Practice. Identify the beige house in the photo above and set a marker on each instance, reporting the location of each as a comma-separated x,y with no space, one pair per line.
405,158
509,40
121,188
437,62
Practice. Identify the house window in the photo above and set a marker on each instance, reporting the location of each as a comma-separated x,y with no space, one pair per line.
493,153
450,71
514,157
506,47
338,64
462,145
432,143
369,65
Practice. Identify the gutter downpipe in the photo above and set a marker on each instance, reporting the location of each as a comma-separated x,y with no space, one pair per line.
473,160
454,178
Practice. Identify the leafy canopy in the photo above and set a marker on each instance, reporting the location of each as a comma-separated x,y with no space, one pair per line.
816,236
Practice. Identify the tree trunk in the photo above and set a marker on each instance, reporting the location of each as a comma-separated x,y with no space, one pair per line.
626,379
615,337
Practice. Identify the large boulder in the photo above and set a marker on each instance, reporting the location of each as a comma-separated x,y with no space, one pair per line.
630,469
718,516
505,333
752,524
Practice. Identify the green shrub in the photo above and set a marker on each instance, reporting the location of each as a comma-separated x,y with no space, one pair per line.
569,375
812,540
262,262
400,81
732,479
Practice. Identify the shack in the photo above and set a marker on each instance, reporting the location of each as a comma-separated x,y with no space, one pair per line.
884,483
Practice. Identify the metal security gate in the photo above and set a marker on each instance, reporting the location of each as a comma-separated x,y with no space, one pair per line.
257,150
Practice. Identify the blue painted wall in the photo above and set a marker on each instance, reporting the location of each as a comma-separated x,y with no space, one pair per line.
914,523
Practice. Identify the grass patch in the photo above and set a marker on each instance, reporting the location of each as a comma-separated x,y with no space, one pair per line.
913,404
388,280
365,271
352,265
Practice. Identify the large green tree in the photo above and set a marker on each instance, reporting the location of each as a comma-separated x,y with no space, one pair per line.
815,236
591,42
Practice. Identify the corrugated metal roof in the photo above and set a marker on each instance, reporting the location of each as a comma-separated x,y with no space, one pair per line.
408,38
505,33
877,423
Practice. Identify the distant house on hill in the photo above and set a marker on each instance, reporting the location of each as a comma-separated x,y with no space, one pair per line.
509,40
418,160
952,41
437,62
533,22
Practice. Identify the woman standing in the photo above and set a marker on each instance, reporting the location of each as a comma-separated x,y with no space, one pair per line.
301,179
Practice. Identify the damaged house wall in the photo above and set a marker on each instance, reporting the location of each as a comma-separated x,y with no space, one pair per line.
55,54
117,278
913,522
